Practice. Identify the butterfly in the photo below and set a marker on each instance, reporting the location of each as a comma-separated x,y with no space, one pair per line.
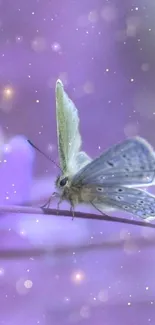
108,181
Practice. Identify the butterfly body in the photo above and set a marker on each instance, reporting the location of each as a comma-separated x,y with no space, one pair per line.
67,191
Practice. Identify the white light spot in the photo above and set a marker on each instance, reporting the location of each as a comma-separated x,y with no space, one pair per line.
78,277
22,232
66,299
20,286
8,92
19,39
56,47
7,148
28,284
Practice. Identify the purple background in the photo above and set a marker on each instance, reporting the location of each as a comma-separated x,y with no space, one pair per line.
104,52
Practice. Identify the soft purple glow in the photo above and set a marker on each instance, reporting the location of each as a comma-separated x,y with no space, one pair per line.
104,53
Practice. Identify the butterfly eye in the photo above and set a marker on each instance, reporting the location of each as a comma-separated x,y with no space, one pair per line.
63,181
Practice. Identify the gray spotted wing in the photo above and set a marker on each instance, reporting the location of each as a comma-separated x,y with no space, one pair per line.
130,163
132,200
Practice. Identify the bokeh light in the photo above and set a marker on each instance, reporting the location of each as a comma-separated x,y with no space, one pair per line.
134,24
103,295
88,87
39,44
109,13
85,311
28,284
93,16
23,286
78,276
56,47
8,92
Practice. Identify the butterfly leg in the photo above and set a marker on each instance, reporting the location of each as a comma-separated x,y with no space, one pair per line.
47,204
72,210
99,210
58,205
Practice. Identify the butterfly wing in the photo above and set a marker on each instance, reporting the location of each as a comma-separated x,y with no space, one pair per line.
82,159
69,139
130,163
132,200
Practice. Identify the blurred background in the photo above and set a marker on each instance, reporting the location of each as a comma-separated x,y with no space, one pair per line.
80,272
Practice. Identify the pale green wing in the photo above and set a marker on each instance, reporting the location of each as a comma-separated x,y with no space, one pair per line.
69,139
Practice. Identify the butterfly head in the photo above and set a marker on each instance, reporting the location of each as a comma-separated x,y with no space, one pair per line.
62,182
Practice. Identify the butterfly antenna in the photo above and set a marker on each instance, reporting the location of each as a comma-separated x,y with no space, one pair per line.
43,153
